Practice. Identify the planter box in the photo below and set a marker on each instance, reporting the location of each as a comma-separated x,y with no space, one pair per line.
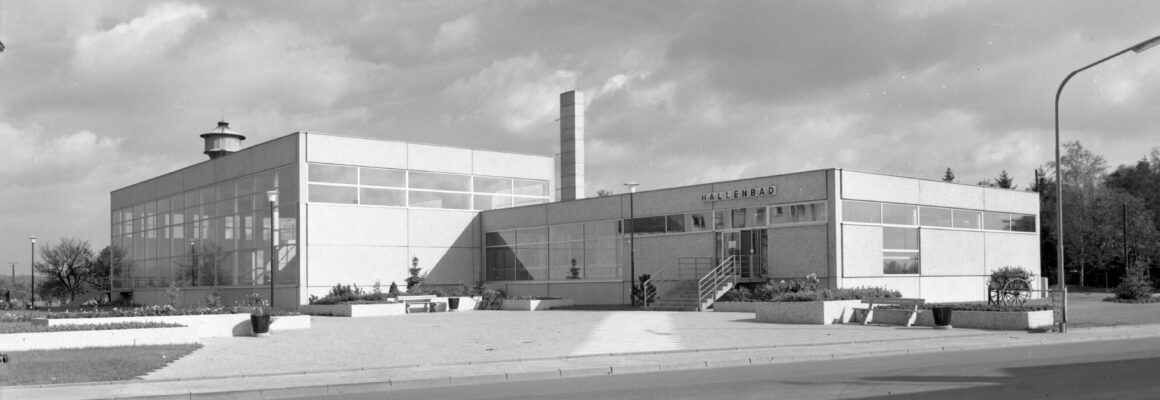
465,303
217,325
807,312
354,310
994,320
533,305
735,306
103,338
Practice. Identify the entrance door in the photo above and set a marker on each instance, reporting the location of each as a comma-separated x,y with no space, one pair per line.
748,247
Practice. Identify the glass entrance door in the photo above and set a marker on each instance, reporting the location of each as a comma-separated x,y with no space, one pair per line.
749,248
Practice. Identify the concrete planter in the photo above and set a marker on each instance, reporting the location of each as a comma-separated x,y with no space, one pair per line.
466,303
993,320
807,312
533,304
102,338
216,325
735,306
354,310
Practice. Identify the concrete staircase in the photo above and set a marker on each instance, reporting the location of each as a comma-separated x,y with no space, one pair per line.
683,296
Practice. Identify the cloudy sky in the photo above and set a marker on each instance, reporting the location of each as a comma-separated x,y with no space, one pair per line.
97,95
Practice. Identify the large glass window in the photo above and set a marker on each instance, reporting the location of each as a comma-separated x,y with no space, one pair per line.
456,201
676,223
967,219
899,214
996,221
493,185
524,187
334,194
861,211
382,197
739,217
382,177
437,181
1023,223
488,202
698,221
647,225
932,216
324,173
900,251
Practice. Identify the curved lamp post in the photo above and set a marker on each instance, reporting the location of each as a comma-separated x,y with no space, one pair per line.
631,238
272,196
1140,47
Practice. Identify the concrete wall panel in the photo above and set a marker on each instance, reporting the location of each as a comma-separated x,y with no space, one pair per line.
863,186
340,225
197,176
1012,249
355,151
791,188
594,209
438,228
795,252
949,252
492,163
363,265
519,217
862,251
666,201
951,195
447,265
1016,201
943,289
438,158
656,252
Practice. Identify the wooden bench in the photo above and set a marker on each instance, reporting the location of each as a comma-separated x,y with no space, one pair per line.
422,302
912,304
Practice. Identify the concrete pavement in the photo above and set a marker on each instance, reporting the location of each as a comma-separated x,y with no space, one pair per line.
344,355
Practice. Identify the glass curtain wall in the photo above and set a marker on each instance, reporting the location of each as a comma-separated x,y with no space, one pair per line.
346,184
217,235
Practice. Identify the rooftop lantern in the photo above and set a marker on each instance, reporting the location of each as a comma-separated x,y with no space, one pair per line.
222,140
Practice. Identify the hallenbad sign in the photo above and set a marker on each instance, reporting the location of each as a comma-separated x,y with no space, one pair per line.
770,190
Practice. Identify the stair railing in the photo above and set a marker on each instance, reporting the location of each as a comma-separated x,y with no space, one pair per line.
668,279
708,285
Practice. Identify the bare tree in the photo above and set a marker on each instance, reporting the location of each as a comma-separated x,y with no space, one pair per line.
66,265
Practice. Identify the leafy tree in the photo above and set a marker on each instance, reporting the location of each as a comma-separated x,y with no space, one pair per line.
948,176
603,193
414,278
67,265
1142,181
111,261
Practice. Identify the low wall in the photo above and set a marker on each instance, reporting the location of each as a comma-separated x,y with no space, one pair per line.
807,312
993,320
354,310
735,306
101,338
216,325
533,305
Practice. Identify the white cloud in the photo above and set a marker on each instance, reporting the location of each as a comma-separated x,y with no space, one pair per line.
132,44
518,92
460,33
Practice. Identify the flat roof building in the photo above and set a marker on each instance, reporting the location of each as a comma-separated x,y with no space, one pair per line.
357,211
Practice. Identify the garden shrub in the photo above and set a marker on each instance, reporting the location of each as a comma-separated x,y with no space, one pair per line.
835,294
1135,285
28,328
986,307
1001,276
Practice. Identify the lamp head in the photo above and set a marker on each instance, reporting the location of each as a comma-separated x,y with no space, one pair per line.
272,196
1147,44
32,238
631,186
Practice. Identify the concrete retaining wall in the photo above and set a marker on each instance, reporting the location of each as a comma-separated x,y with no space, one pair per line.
735,306
807,312
994,320
533,305
354,310
102,338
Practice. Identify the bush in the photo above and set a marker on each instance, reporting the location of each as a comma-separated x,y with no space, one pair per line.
28,328
987,307
738,294
1001,276
835,294
1135,285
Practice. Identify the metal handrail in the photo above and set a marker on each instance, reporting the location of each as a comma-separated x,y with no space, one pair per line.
711,281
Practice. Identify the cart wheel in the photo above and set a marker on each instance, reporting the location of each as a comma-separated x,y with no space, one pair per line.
1016,292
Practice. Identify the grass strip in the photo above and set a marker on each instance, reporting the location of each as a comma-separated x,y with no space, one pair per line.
24,327
41,367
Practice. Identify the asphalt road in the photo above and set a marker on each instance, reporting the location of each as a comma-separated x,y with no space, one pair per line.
1108,370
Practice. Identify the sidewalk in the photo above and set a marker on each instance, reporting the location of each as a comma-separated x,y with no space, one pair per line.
341,355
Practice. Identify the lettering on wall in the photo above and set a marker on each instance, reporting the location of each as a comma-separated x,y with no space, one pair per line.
770,190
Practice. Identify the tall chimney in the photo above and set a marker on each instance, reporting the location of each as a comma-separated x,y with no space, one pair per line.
571,146
222,140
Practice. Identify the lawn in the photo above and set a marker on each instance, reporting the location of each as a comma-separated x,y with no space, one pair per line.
1088,308
88,365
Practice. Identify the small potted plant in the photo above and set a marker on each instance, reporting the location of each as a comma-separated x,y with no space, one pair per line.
260,316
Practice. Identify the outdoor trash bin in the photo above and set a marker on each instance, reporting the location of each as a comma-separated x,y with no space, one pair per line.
942,317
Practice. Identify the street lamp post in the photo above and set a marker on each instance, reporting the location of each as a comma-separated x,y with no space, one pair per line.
632,238
1140,47
32,271
193,260
272,196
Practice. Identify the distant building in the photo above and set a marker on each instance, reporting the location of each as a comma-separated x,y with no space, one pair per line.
356,211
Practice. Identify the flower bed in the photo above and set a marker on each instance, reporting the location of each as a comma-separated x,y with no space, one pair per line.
216,325
807,312
30,328
97,338
534,304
